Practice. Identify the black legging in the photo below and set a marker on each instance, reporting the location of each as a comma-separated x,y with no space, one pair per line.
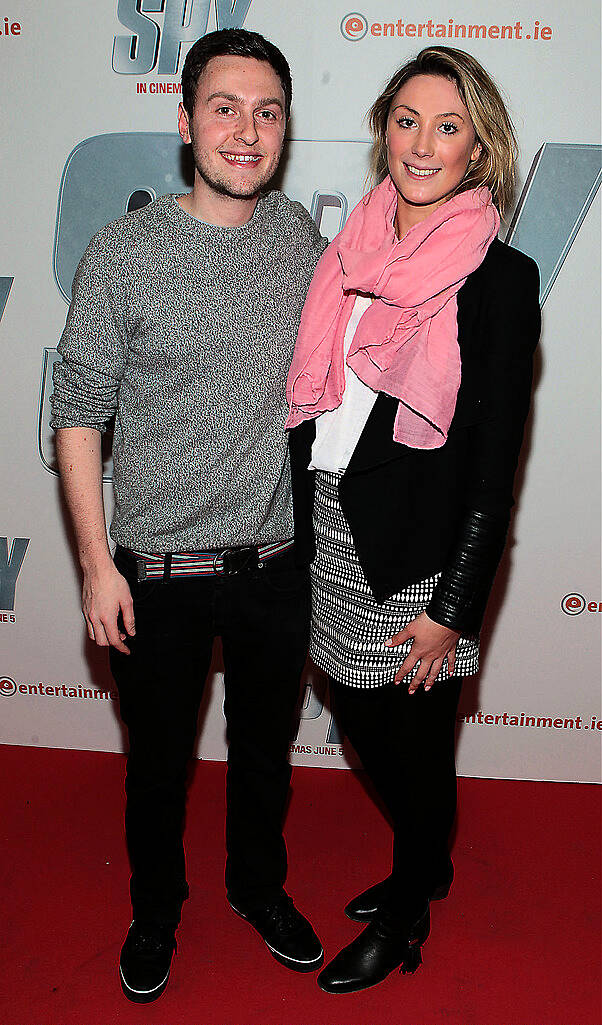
407,747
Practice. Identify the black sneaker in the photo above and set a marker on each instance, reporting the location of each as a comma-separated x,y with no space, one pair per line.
287,934
145,961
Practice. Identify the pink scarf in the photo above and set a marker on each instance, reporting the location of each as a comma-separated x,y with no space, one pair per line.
406,343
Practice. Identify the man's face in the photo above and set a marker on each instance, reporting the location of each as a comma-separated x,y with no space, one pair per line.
237,126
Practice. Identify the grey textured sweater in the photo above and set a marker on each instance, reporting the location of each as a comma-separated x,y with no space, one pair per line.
185,331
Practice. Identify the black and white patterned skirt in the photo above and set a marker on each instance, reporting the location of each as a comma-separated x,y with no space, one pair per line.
348,626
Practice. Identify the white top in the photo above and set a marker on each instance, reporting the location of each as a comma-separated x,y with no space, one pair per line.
338,430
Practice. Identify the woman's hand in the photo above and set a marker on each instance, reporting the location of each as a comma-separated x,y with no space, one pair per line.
431,643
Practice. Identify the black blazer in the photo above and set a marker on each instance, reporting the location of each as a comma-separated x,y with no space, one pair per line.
405,506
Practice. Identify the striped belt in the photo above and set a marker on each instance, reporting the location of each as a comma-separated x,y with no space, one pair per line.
224,561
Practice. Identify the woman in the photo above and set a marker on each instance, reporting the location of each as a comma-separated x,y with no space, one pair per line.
408,392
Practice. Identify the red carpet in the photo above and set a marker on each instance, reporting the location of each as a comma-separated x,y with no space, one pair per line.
516,943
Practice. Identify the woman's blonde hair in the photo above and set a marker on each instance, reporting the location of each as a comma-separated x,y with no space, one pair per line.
495,165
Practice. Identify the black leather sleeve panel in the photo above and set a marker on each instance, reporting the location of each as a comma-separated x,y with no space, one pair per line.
511,315
461,594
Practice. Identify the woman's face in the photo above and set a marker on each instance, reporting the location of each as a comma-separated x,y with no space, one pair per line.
430,143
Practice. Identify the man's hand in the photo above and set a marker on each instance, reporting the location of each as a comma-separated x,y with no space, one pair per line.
104,595
431,643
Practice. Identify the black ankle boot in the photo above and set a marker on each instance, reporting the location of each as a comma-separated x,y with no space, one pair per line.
383,945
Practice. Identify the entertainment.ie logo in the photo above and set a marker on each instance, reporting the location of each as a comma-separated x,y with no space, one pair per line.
354,26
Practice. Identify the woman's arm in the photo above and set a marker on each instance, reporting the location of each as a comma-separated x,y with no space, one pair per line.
458,604
513,322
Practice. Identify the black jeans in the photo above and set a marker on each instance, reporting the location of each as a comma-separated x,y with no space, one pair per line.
262,615
407,747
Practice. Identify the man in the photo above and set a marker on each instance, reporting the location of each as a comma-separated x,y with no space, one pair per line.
182,325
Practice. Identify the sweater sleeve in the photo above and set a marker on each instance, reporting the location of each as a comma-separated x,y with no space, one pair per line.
92,346
513,326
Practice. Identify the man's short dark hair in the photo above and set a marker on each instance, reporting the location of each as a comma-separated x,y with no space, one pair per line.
233,42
